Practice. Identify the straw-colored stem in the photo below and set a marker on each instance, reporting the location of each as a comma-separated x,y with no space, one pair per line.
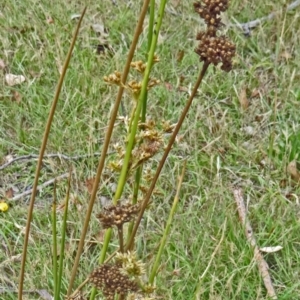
40,159
165,155
167,229
121,239
113,117
63,238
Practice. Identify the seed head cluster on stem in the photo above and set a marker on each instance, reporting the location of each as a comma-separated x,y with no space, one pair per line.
212,48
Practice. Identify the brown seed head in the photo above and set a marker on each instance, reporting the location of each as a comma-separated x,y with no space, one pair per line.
111,281
215,50
117,215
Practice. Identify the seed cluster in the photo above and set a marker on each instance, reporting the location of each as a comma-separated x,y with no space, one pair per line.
130,265
215,50
212,48
117,215
114,78
110,280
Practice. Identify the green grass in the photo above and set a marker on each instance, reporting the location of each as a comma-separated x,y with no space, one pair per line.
220,153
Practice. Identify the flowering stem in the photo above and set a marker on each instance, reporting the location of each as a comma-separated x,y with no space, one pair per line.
138,174
162,161
133,131
108,232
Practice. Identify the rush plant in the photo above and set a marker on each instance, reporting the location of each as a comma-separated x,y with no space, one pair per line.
123,274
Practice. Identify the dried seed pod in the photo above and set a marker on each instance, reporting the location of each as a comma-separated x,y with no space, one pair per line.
117,215
110,280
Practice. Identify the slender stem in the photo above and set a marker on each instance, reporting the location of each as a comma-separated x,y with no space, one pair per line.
54,239
162,161
136,185
41,154
150,35
122,178
63,238
139,171
114,114
167,229
121,239
151,24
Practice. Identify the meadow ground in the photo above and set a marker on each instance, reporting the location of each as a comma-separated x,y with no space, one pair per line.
242,130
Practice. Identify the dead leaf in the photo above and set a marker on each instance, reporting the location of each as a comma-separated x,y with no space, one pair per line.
100,30
286,55
2,64
16,96
89,183
243,99
8,158
183,89
175,3
49,20
271,249
255,93
9,193
12,79
176,272
293,171
168,86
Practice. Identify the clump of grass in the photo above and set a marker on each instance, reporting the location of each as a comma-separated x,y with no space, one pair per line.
124,275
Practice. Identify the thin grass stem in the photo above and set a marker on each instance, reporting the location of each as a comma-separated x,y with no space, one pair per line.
63,239
167,229
54,240
41,154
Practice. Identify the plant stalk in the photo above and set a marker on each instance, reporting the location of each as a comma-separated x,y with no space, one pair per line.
165,155
54,240
63,238
41,154
137,33
167,229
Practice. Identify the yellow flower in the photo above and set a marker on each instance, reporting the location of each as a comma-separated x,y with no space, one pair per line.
3,206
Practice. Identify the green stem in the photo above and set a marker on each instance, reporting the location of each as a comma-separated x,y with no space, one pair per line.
151,24
63,238
136,185
167,230
139,171
54,240
108,134
122,178
165,155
